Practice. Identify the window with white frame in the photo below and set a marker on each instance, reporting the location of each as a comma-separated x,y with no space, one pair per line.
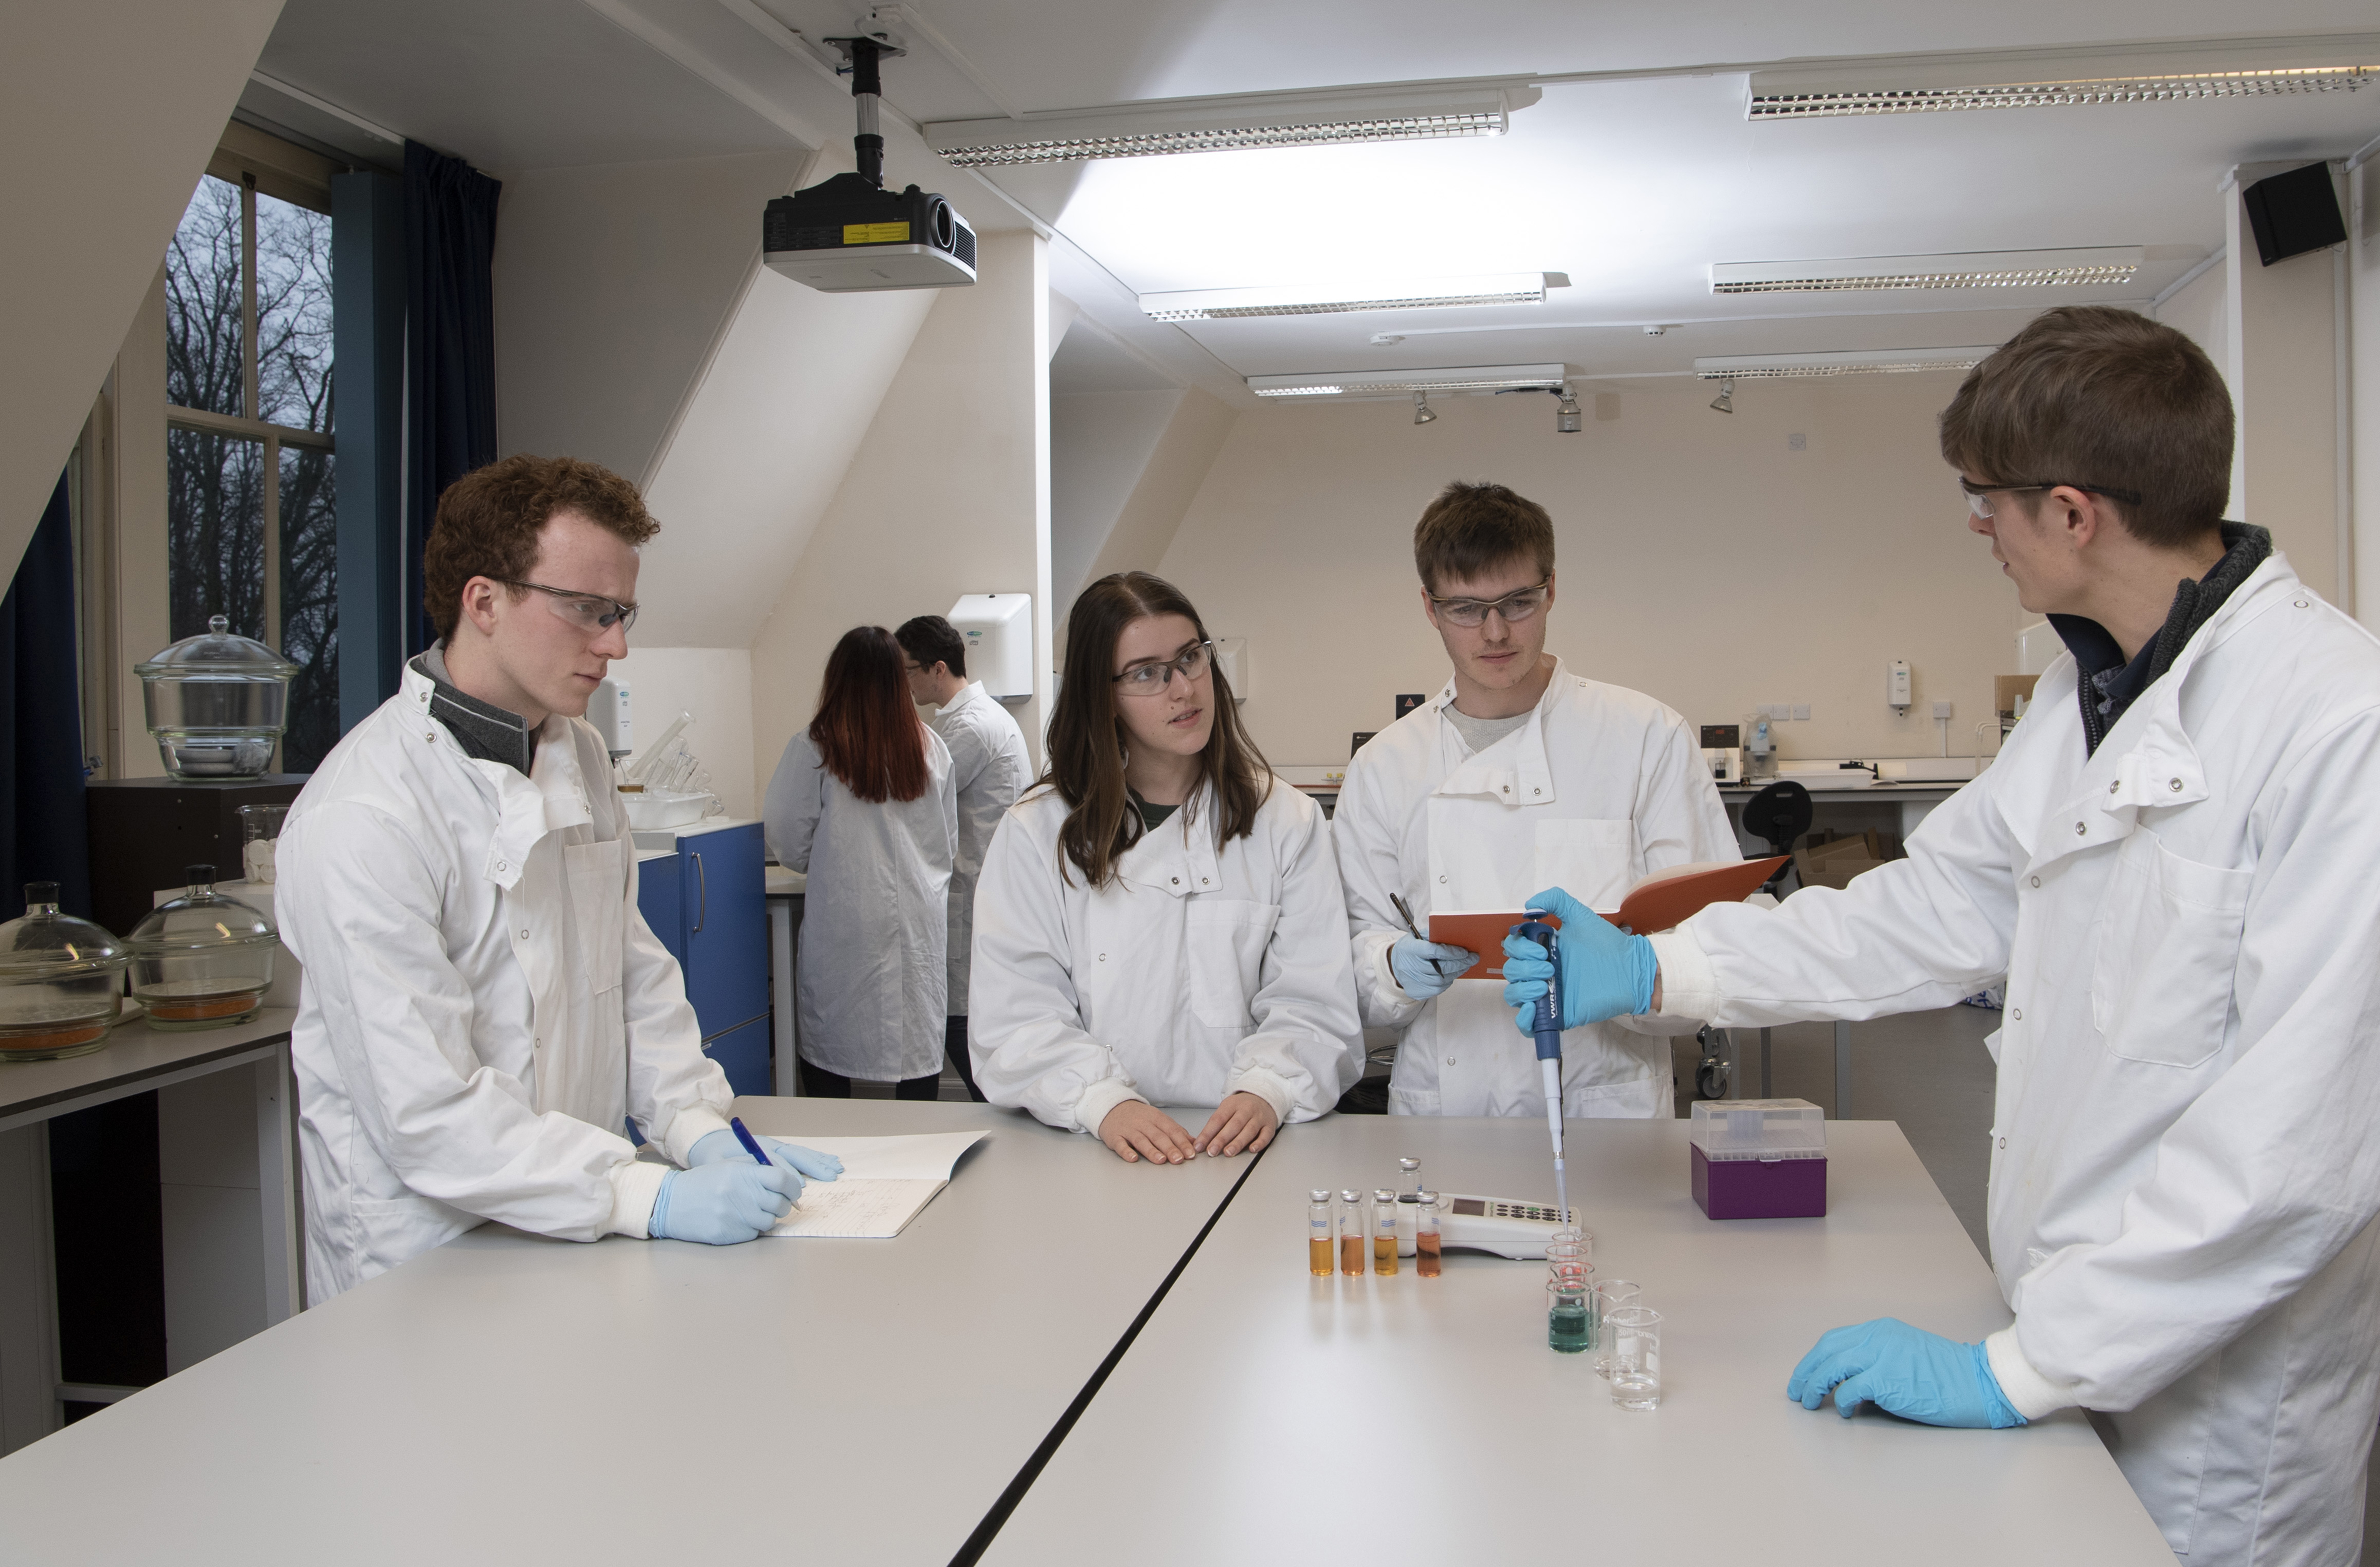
250,522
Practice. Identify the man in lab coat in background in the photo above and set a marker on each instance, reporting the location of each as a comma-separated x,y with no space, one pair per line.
2174,860
990,767
1519,774
484,1009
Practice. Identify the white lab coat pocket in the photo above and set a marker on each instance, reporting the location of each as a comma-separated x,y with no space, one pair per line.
598,881
1594,860
2169,933
1225,942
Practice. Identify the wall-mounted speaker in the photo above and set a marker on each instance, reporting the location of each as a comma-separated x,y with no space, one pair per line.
2294,212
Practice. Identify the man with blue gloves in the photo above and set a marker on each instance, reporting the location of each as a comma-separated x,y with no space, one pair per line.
484,1012
1519,771
2172,863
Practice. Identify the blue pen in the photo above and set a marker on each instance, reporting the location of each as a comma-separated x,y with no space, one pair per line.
751,1143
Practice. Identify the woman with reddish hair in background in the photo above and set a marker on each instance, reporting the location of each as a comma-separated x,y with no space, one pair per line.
863,803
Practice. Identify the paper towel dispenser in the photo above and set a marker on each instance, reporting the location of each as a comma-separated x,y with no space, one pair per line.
998,629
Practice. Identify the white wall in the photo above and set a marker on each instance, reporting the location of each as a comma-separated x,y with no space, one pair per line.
2363,316
1099,444
110,110
1701,560
948,493
612,283
713,684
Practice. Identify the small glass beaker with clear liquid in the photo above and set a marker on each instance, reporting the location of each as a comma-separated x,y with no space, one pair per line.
1636,1357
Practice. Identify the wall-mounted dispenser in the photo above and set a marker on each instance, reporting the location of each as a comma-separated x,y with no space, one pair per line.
999,631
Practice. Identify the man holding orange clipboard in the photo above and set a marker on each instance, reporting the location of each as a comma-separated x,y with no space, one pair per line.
1519,775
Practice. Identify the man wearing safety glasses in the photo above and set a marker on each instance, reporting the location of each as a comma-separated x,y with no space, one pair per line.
484,1009
1519,775
2173,861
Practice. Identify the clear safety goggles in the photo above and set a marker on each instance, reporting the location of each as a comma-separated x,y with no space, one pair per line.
1148,679
588,611
1512,607
1979,496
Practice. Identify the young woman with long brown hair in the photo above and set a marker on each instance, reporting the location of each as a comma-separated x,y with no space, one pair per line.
863,802
1158,920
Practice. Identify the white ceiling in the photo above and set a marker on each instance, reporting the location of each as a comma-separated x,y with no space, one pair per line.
1633,187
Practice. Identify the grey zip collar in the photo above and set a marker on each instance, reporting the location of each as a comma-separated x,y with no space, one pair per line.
484,730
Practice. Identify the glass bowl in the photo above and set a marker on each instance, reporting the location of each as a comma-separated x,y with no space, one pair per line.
203,960
61,981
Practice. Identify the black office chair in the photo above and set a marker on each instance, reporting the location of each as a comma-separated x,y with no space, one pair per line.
1778,815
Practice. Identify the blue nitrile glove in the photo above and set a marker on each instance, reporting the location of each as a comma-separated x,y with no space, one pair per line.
714,1147
723,1203
1905,1370
1605,974
1426,968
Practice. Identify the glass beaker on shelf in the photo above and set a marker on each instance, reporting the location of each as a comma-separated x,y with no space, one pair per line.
201,961
61,981
216,704
260,833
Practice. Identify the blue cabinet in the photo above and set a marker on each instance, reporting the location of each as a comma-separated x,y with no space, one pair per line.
703,900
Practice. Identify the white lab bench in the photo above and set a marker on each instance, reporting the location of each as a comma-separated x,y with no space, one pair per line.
245,1067
507,1399
1264,1415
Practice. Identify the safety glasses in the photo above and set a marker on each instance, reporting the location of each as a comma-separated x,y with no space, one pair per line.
588,611
1514,606
1148,679
1979,496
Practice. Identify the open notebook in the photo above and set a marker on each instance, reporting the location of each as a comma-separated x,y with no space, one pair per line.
885,1183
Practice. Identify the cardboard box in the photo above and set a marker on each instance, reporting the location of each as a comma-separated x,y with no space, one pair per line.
1836,872
2006,688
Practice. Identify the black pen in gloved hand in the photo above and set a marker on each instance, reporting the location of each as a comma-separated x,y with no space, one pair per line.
1406,914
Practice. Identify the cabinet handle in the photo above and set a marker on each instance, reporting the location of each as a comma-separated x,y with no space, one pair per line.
702,884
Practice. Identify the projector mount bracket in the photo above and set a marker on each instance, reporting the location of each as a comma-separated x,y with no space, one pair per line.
860,56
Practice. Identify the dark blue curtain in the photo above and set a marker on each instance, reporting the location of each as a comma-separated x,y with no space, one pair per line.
41,719
450,247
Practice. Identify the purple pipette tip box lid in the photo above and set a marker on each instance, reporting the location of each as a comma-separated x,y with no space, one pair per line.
1759,1159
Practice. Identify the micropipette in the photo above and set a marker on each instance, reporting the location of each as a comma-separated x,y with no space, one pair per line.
1547,1028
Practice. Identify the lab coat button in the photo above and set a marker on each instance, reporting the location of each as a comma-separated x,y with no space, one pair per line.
1537,791
2017,1015
2115,786
2301,603
1441,881
2177,785
524,935
502,865
1103,957
2079,829
1177,881
1202,881
2003,1142
2036,880
1450,1060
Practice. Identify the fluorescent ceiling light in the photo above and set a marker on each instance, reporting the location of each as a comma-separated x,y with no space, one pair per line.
1757,367
1219,125
1326,299
2040,78
1978,269
1404,382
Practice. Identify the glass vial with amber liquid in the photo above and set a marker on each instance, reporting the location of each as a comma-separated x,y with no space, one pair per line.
1352,1234
1384,1233
1317,1233
1426,1237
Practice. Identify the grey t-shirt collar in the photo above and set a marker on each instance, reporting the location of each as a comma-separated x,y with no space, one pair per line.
484,730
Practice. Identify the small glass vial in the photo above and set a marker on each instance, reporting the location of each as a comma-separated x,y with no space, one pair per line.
1352,1234
1384,1233
1408,1179
1425,1241
1317,1233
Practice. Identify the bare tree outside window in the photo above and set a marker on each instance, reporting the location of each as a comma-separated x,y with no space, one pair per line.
251,520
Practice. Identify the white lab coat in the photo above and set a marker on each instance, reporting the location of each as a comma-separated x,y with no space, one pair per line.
2184,1175
483,1006
875,920
1199,971
992,768
1601,788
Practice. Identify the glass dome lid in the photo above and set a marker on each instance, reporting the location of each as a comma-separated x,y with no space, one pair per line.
46,945
200,918
217,654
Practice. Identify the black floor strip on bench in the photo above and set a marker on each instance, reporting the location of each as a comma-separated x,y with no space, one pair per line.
980,1541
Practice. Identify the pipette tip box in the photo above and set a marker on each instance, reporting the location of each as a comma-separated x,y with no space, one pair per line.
1759,1159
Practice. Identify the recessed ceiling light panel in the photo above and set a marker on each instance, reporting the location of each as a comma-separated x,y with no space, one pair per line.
1980,269
1223,125
1322,299
1404,383
2244,68
1770,367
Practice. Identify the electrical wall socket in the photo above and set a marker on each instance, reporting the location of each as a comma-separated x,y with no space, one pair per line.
1801,712
1774,712
1942,710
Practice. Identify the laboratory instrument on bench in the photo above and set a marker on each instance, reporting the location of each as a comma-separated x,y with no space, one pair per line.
201,961
1317,1233
1758,1159
851,235
1427,1243
1546,1029
1723,752
216,704
1384,1233
61,981
1507,1226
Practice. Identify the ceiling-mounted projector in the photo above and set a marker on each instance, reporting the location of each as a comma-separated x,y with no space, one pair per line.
850,233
